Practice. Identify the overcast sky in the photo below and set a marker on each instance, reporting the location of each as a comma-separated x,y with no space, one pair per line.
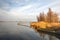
13,10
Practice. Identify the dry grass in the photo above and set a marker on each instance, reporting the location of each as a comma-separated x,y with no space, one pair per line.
44,24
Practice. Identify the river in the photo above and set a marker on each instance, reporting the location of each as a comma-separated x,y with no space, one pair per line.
12,31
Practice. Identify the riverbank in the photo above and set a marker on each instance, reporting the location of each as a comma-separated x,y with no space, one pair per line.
48,28
44,25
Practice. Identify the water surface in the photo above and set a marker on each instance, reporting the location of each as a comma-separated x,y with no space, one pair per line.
12,31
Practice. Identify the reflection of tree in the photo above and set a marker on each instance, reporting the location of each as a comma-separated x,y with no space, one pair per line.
42,35
45,36
52,38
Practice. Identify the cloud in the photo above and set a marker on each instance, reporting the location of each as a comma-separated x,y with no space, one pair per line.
20,14
53,5
6,16
19,10
28,11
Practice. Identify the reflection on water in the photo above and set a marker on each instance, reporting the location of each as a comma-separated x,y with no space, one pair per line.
45,36
12,31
